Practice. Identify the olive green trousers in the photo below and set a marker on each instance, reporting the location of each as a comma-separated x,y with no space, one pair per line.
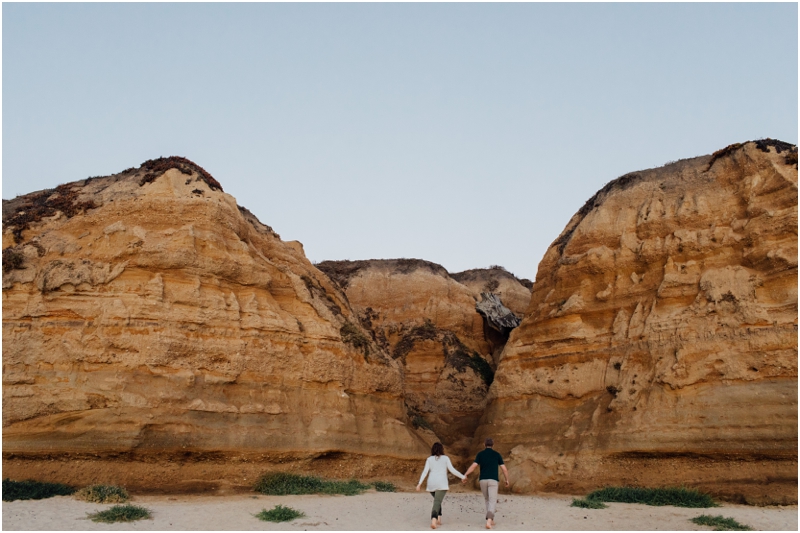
438,496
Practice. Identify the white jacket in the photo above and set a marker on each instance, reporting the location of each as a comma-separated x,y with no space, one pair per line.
438,467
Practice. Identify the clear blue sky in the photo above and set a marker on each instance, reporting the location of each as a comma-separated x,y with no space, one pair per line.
464,134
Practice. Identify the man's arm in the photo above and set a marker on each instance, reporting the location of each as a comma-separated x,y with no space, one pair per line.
472,467
505,473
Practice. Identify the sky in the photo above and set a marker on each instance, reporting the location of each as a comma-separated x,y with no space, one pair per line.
463,134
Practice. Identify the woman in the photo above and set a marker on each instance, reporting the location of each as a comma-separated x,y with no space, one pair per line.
437,465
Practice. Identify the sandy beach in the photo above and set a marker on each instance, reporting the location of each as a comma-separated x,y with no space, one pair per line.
381,511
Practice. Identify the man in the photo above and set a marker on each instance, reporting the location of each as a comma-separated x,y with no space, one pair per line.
489,461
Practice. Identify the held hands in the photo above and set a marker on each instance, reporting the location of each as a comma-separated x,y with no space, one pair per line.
464,480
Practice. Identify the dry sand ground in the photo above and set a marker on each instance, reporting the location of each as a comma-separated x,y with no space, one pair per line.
382,511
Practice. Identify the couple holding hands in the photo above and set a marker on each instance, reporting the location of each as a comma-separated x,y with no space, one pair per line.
437,466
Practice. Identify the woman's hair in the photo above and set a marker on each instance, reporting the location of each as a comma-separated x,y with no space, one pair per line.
437,449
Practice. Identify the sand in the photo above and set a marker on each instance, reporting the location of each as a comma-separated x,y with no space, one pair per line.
381,511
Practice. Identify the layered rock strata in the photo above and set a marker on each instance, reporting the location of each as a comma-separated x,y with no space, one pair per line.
429,323
660,343
147,317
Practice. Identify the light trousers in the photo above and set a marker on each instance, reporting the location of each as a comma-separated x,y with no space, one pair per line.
489,490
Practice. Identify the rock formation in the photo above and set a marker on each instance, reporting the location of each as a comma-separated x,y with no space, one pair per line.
660,344
428,322
515,293
148,317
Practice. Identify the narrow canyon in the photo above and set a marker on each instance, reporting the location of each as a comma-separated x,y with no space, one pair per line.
158,335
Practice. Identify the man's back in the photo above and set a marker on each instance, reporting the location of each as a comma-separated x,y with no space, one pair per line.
489,461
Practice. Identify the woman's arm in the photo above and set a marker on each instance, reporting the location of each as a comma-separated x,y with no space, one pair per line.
424,472
453,470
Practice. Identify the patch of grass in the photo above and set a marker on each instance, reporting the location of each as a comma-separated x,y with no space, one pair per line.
279,513
677,496
281,484
351,487
103,494
384,486
352,335
720,523
121,513
33,490
587,504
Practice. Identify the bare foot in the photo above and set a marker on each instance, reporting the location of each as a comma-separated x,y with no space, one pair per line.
488,524
439,521
433,523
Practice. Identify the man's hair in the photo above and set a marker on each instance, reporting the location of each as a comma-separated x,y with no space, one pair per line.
488,442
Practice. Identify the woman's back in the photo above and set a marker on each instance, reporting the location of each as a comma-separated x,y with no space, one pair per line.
436,467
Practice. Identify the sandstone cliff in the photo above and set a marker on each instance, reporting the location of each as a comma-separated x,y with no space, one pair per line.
148,317
660,343
427,321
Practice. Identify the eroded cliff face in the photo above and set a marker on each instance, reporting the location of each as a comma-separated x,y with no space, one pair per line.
660,344
427,321
147,317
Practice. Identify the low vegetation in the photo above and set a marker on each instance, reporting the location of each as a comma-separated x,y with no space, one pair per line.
282,484
12,260
588,504
33,490
46,203
384,486
352,335
103,494
427,331
481,367
417,421
279,513
121,513
676,496
156,167
720,523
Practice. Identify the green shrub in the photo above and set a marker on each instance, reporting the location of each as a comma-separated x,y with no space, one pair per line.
121,513
103,494
281,484
588,504
677,496
279,513
720,523
33,490
384,486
